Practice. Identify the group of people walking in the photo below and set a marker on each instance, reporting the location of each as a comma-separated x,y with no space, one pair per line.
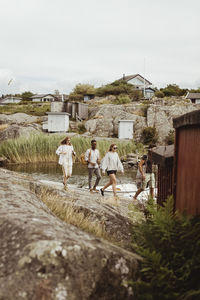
110,164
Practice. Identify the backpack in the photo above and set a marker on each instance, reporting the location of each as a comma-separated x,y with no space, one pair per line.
82,158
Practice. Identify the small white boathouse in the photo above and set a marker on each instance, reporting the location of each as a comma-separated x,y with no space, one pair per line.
125,130
58,121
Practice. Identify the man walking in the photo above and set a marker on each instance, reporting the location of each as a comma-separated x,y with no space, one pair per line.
92,156
145,176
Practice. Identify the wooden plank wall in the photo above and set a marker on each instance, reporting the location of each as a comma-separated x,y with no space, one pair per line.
187,170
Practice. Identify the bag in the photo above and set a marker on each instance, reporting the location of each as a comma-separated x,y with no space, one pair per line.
82,159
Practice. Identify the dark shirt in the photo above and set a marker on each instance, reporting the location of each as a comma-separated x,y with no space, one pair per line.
148,166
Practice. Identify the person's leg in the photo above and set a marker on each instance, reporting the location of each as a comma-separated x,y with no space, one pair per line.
64,176
90,171
105,187
98,177
152,185
137,193
114,183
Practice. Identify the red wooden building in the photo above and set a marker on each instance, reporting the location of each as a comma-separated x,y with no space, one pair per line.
187,163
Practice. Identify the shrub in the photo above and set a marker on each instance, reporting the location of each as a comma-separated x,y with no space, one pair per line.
170,137
159,94
81,128
116,88
169,245
149,135
122,99
80,90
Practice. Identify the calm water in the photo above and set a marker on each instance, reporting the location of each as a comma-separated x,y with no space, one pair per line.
53,172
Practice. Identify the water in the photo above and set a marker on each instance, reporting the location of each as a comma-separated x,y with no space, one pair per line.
53,172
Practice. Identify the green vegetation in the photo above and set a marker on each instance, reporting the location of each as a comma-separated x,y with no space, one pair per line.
149,135
42,147
80,90
170,247
34,109
117,88
171,90
170,137
122,99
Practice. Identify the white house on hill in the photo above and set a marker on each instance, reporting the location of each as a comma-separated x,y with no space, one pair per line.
10,99
43,98
140,83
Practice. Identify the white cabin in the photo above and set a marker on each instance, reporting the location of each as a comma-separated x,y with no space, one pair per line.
58,122
125,129
43,98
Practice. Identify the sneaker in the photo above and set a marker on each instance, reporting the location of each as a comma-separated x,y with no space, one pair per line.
95,190
102,192
66,187
91,190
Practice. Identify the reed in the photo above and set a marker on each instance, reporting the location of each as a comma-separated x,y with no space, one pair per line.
42,147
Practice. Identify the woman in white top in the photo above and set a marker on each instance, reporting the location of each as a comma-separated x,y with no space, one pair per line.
111,164
65,152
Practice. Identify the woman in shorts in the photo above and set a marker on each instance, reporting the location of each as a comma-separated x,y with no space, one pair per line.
66,152
111,164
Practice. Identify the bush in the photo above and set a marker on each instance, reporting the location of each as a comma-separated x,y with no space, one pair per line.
170,247
81,128
149,135
159,94
116,88
80,90
122,99
170,137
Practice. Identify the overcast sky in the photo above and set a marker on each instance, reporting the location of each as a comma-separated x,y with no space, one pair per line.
55,44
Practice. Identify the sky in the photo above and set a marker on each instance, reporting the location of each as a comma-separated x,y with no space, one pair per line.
55,44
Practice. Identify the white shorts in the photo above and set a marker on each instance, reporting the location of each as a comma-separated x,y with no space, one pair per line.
67,169
148,181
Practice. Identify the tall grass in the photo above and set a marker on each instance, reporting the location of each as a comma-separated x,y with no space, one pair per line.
42,147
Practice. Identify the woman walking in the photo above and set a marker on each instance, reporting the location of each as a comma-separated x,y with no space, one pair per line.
66,152
111,164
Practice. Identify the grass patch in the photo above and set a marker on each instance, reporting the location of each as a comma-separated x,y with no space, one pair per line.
30,108
69,214
42,147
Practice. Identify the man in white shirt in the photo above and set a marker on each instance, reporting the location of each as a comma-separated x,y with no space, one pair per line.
92,156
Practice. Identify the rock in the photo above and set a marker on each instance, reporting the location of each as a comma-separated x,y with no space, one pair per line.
162,117
15,131
42,257
106,118
18,118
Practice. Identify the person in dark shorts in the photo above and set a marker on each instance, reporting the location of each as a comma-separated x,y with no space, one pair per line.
111,164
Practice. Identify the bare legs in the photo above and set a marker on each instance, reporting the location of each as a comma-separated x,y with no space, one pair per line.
112,182
65,178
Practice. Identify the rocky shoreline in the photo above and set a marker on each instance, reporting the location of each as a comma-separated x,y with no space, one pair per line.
41,256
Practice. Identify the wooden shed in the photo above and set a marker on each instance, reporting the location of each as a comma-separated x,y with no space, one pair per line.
125,129
187,163
163,156
77,109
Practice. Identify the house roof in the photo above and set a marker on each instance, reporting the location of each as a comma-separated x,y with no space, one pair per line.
9,97
193,96
41,96
163,155
129,77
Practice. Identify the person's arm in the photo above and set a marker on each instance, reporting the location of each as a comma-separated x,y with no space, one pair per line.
140,167
119,164
73,152
58,151
104,163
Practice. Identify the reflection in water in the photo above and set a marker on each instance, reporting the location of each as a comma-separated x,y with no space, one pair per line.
53,172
